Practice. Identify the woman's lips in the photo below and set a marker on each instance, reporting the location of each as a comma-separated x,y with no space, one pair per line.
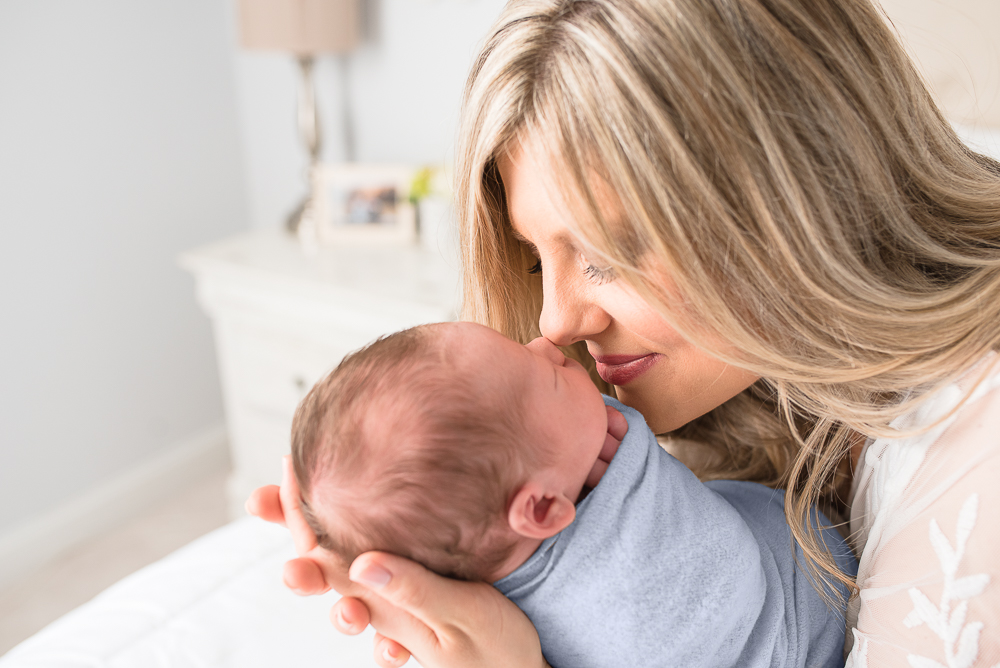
623,369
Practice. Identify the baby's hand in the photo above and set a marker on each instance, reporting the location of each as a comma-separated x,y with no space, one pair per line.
617,428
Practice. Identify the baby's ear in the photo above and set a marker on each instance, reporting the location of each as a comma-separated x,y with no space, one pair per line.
538,513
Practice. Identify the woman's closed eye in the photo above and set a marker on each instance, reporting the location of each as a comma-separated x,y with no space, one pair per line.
597,275
594,274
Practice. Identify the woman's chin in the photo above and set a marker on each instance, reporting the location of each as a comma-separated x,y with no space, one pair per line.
657,417
668,401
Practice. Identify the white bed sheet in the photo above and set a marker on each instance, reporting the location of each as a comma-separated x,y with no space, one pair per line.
216,603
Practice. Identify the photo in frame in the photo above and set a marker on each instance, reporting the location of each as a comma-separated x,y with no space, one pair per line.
364,203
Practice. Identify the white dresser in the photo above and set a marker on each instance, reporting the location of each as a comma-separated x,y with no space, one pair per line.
283,318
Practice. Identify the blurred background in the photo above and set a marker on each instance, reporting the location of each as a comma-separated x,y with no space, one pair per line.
131,132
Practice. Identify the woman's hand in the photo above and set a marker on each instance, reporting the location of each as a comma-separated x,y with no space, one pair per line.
443,622
315,570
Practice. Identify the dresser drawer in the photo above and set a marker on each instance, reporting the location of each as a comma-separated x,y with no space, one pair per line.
258,441
272,371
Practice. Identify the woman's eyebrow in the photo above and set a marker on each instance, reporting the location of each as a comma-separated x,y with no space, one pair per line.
524,240
517,235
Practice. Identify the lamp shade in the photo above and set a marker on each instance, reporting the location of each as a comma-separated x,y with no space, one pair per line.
300,26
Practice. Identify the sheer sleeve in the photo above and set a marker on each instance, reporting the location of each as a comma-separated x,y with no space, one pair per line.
926,517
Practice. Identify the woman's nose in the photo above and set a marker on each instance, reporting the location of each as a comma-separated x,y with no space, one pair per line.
568,314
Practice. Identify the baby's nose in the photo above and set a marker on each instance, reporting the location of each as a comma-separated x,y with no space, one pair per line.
542,346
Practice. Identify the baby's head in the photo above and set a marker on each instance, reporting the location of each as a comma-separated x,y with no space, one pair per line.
448,444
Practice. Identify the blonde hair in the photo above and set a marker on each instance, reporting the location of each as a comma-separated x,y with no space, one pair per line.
783,163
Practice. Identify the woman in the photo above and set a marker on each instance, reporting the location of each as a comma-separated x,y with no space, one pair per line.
752,216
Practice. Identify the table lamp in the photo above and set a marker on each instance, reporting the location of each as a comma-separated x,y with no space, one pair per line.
305,28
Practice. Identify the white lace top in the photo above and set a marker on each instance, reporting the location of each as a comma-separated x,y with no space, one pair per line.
925,520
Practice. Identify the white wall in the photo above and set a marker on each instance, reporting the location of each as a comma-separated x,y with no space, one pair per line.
130,131
955,44
118,149
405,82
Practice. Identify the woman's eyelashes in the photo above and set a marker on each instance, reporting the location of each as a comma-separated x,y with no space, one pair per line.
593,274
597,275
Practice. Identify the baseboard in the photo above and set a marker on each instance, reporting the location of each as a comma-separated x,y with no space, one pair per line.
37,541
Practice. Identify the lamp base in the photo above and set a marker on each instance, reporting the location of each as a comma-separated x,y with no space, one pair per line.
302,220
294,220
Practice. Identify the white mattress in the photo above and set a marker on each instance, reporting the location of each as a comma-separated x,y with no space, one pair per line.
215,603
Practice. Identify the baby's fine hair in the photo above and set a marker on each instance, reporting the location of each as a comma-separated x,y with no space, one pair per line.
395,451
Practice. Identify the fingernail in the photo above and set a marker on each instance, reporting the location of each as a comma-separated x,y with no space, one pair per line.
246,507
373,576
344,624
389,655
293,589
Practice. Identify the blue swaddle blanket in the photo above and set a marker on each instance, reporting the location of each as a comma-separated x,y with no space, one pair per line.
660,569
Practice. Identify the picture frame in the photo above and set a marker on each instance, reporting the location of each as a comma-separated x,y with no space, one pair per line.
364,203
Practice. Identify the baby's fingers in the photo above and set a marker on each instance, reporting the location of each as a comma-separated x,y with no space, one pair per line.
609,449
617,424
596,473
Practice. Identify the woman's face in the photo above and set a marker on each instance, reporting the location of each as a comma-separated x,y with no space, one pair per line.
656,371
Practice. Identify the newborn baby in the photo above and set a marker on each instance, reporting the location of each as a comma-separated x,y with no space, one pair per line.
461,449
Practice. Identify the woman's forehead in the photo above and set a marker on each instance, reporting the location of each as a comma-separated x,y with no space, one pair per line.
534,205
546,202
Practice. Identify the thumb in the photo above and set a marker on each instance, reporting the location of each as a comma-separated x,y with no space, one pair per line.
427,596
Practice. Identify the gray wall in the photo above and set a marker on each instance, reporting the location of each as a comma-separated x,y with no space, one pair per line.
119,148
130,131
